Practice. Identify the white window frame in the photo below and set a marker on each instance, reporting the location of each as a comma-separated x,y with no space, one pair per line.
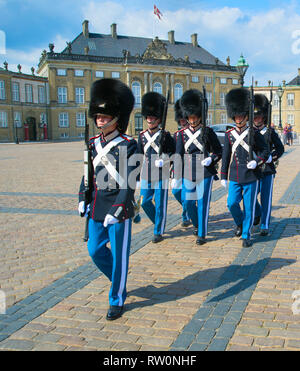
209,119
28,93
43,118
195,78
99,74
209,98
3,119
80,119
2,90
63,120
275,101
290,99
223,80
207,79
291,119
138,123
15,91
136,89
62,94
235,81
79,95
61,72
17,120
157,87
224,119
178,91
42,94
79,73
276,119
115,75
222,99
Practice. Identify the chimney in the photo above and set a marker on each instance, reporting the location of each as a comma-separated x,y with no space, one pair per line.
113,29
194,39
85,28
171,37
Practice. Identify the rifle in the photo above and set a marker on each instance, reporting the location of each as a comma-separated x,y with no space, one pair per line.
163,126
87,177
268,133
251,119
204,118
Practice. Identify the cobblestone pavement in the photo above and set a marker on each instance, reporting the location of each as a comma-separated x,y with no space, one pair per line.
181,296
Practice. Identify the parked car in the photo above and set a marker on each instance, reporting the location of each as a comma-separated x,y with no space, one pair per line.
220,130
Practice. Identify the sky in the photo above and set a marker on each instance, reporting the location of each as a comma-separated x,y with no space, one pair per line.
267,32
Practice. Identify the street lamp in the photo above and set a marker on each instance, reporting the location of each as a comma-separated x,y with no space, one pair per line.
280,92
242,67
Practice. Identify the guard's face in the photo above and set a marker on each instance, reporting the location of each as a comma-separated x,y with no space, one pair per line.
240,120
102,120
194,120
258,120
152,122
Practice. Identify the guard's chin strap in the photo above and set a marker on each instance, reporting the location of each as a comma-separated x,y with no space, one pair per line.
194,124
113,121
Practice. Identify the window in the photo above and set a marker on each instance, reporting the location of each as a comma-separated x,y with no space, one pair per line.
290,99
43,118
64,135
63,120
209,98
3,119
79,95
157,87
223,80
115,75
223,118
81,135
178,91
15,91
61,72
291,119
99,74
195,78
28,93
222,99
2,89
17,120
42,95
235,81
79,73
80,119
209,119
136,89
207,79
138,123
276,101
276,120
62,94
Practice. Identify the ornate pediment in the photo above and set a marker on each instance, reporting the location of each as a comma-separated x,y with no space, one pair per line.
157,50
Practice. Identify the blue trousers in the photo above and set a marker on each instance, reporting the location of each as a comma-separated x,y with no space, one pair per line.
178,194
248,193
157,212
112,262
263,209
200,192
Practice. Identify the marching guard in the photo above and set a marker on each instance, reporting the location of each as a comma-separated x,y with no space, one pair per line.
177,186
237,165
200,150
263,209
155,172
112,198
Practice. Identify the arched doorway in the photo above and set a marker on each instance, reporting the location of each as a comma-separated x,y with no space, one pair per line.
31,121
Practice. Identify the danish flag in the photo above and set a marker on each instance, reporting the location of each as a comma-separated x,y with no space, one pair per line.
157,12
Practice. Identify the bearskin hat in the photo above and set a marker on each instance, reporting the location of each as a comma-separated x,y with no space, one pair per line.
178,112
114,98
191,103
153,104
261,105
237,102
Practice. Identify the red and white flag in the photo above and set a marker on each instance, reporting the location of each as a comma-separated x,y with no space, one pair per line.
157,12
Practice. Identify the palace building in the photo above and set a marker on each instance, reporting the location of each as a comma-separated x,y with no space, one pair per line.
144,64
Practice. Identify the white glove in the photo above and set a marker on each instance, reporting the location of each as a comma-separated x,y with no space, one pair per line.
176,184
224,183
159,162
109,219
252,165
81,208
207,161
269,159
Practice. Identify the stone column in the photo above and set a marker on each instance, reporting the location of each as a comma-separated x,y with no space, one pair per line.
145,82
187,82
128,78
150,81
172,89
167,82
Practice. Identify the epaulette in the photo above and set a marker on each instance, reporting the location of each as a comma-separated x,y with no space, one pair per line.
97,136
227,131
126,137
142,132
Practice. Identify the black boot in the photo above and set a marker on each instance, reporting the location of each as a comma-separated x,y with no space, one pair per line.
247,243
256,220
186,223
200,241
264,232
157,238
239,230
114,312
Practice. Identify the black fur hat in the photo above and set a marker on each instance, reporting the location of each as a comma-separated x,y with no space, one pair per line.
178,112
114,98
153,104
237,102
191,103
261,105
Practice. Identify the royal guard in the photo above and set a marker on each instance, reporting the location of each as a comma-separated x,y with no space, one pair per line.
112,196
177,186
275,146
243,152
199,148
155,172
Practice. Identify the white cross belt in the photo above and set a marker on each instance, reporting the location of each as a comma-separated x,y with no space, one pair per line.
151,142
193,139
